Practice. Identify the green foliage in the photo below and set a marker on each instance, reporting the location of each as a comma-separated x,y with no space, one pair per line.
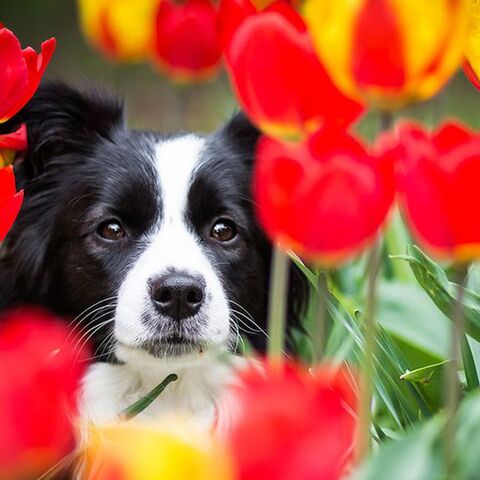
414,307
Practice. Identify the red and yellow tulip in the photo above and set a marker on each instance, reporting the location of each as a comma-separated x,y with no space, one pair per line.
21,72
325,198
174,449
278,79
120,29
389,52
187,45
438,184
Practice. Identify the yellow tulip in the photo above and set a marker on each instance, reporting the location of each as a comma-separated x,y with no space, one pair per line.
174,451
121,29
389,53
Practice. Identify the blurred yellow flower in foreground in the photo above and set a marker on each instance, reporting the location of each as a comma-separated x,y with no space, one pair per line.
121,29
389,53
173,450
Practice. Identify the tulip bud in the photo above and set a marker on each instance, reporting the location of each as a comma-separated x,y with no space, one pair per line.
278,79
187,45
438,182
325,198
21,72
121,29
389,52
172,448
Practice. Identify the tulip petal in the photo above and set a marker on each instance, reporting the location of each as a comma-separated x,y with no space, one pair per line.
13,74
377,55
16,141
278,79
35,67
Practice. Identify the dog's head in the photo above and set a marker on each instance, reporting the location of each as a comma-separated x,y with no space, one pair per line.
150,240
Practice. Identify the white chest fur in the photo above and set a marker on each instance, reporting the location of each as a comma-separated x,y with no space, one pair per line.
108,389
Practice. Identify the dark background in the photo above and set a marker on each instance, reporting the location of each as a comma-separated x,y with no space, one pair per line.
152,101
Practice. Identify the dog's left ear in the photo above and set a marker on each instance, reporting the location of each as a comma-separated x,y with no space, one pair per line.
240,137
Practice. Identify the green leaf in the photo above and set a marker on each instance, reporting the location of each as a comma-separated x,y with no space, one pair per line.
408,314
471,375
443,293
415,457
418,455
310,276
140,405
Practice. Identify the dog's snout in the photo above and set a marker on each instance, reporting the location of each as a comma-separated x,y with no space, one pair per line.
178,295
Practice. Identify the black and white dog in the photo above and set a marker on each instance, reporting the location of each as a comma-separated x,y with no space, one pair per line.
149,241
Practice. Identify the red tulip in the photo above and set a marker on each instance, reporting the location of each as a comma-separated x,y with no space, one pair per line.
10,200
187,39
233,12
279,80
12,143
294,424
325,198
21,72
438,181
38,381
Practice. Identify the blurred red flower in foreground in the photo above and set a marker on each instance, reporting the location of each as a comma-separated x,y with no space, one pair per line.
38,381
278,79
325,198
291,423
10,200
438,182
12,143
187,39
20,72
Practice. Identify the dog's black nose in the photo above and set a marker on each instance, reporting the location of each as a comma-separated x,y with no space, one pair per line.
178,295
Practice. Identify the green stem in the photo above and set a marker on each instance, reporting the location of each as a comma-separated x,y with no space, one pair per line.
451,386
370,335
318,330
396,243
277,304
368,370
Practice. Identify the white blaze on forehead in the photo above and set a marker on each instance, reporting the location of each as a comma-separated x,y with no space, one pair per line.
176,160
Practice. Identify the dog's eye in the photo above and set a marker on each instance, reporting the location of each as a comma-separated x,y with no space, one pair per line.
111,230
223,230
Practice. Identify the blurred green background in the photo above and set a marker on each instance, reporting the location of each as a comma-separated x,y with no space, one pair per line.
152,101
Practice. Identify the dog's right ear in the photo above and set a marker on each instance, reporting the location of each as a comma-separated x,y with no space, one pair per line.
61,119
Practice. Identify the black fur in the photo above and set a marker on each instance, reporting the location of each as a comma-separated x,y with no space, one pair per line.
82,166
